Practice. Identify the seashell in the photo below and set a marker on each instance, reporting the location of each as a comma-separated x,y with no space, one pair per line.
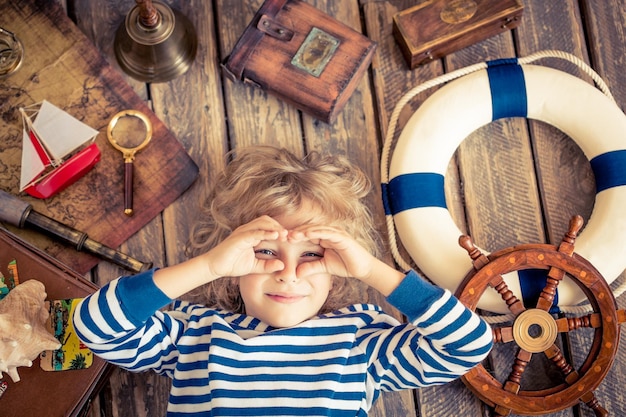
23,335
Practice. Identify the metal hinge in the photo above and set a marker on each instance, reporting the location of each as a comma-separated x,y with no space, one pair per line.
270,27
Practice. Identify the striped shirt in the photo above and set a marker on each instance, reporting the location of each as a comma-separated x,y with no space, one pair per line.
225,364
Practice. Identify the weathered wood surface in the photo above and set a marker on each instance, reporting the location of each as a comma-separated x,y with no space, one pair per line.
62,66
513,181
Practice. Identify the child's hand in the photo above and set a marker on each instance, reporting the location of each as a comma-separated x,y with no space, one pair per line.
235,256
343,256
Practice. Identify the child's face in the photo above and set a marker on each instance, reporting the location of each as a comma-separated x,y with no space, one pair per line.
284,298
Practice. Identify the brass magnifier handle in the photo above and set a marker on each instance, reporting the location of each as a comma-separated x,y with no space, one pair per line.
129,153
128,186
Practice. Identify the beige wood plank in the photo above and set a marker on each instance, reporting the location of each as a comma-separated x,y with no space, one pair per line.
144,394
196,116
565,191
605,23
392,79
354,135
254,117
508,208
565,179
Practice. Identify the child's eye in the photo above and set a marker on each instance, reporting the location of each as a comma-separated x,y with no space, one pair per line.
265,252
312,255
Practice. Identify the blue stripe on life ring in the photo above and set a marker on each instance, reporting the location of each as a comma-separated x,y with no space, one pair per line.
609,169
508,89
532,282
424,189
509,99
408,191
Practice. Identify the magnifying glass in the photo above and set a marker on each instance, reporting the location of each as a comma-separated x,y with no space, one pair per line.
129,131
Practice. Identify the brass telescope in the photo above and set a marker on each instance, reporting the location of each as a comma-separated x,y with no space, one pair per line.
20,214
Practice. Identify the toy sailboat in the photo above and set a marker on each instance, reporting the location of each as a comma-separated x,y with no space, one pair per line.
57,150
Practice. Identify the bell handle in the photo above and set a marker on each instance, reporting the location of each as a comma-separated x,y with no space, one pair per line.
148,14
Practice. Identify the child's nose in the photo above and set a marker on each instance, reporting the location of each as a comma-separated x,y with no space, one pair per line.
288,274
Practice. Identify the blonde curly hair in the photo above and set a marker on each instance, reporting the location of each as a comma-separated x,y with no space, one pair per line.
264,180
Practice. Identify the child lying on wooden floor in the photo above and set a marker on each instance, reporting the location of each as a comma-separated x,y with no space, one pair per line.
282,331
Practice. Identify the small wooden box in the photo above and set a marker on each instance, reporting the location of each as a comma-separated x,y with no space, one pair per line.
436,28
298,53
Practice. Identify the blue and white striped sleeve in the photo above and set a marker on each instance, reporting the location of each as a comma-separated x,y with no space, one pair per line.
442,341
121,324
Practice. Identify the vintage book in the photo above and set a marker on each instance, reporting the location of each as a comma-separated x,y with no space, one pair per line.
39,392
300,54
436,28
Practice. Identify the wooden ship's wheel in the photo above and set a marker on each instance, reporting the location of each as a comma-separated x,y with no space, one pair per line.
535,330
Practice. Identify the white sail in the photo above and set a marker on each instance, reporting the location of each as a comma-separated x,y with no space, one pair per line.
59,132
32,165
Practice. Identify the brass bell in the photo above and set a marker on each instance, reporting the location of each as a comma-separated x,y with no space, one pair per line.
155,43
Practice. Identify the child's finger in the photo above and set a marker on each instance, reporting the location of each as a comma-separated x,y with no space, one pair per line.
329,238
311,268
319,233
267,266
264,223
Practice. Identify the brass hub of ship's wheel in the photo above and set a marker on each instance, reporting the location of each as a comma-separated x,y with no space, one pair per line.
535,330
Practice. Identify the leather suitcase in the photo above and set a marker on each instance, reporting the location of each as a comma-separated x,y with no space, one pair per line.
42,393
298,53
436,28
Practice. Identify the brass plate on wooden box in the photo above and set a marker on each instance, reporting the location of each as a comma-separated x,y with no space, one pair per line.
317,49
436,28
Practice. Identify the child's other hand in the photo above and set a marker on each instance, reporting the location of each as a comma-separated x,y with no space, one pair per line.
235,255
343,256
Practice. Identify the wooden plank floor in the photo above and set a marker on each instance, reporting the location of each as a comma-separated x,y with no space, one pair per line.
512,182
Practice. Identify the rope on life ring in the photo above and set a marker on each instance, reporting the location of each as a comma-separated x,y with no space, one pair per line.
413,183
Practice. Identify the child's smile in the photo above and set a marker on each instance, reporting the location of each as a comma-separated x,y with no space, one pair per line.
286,298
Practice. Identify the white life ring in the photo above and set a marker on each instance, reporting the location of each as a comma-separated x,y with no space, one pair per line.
414,194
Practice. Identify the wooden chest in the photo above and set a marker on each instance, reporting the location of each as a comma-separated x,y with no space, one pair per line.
298,53
436,28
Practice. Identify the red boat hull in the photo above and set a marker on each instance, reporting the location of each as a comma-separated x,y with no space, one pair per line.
65,174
